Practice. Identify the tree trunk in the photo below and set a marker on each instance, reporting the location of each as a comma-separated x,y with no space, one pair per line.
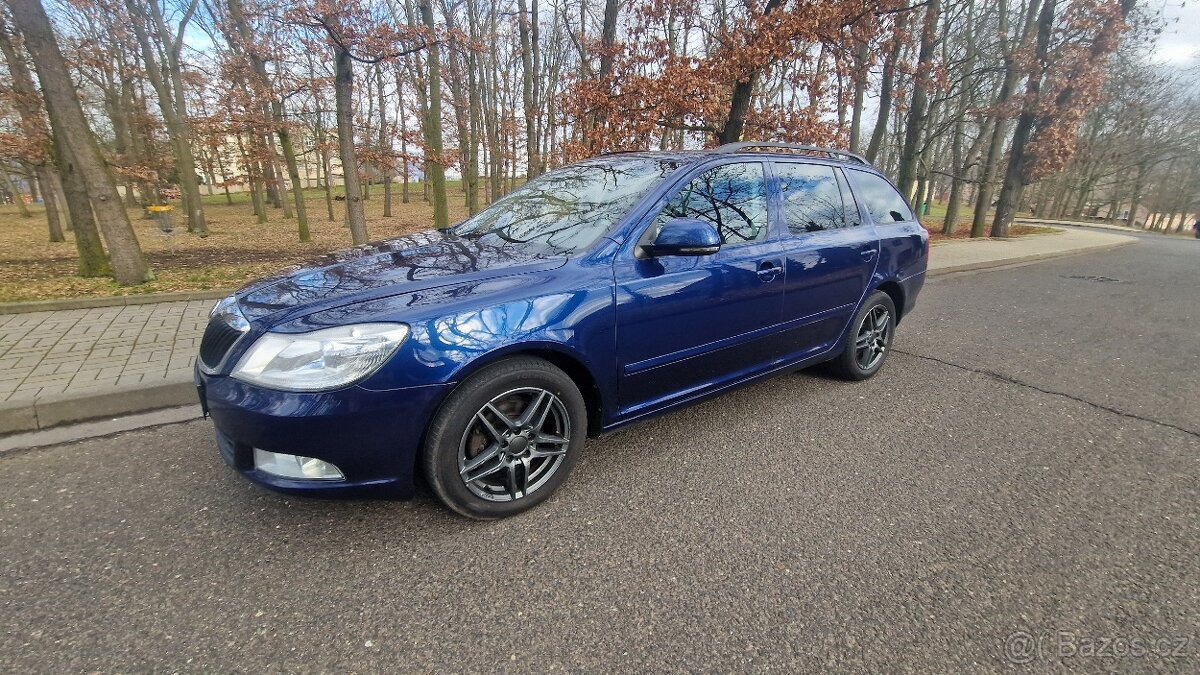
385,145
328,180
320,138
1135,201
608,38
400,114
433,125
10,184
171,99
456,78
495,113
343,87
861,75
886,90
281,188
56,191
206,158
252,181
49,198
919,109
526,26
224,178
475,111
29,106
93,260
983,200
80,147
1014,180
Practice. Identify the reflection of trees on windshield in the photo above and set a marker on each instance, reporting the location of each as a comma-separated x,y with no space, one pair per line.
566,210
812,200
558,214
732,196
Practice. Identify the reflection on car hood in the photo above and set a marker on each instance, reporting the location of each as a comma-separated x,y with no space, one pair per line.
401,265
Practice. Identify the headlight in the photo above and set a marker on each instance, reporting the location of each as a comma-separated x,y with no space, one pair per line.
229,310
221,305
320,360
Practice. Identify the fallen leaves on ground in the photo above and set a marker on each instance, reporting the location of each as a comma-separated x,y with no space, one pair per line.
963,230
238,249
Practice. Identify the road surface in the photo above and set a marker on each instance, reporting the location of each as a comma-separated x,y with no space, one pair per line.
1017,490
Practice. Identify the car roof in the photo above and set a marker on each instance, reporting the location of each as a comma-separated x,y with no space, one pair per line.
745,150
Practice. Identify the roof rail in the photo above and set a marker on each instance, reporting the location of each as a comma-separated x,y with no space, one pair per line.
832,152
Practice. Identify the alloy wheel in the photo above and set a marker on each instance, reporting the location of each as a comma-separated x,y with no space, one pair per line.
514,444
873,335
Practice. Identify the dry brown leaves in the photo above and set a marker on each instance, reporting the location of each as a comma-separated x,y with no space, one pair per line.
237,250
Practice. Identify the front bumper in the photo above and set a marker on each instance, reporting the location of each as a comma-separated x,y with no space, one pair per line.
372,436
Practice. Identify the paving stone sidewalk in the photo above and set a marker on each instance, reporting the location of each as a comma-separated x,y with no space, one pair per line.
76,364
87,351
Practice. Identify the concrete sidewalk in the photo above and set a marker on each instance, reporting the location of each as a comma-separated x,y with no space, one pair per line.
961,255
72,365
1100,224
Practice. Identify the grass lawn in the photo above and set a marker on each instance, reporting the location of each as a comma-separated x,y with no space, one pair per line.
238,249
966,213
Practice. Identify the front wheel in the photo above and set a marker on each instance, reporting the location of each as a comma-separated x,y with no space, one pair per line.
870,339
505,439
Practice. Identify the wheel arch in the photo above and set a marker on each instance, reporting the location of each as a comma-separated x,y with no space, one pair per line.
896,292
560,357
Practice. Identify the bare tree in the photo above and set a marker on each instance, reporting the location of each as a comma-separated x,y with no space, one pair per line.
163,69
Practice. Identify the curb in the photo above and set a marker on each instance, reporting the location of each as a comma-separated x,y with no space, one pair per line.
51,411
112,301
1021,260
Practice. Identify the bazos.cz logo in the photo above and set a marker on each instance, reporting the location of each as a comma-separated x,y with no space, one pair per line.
1024,646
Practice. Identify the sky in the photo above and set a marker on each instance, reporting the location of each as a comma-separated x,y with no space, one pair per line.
1179,44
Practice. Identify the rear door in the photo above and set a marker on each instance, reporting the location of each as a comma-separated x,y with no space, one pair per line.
902,238
830,253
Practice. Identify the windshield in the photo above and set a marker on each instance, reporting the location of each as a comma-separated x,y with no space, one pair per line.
568,209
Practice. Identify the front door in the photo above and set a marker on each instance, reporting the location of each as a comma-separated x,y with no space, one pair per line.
688,323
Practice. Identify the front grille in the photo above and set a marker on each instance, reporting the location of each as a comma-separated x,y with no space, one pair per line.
219,336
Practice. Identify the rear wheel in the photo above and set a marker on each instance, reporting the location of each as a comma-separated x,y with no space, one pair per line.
870,339
506,438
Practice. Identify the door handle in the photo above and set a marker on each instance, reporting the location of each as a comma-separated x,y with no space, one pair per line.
768,270
867,253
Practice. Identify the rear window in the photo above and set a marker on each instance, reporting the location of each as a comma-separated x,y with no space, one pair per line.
812,198
881,199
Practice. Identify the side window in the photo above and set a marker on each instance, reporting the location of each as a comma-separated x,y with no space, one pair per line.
731,196
812,198
881,199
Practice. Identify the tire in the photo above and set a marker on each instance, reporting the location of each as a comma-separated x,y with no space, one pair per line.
858,363
486,456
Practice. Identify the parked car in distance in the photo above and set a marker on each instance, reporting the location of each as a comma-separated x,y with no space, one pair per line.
599,294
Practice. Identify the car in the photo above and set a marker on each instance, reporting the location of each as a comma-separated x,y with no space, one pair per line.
482,356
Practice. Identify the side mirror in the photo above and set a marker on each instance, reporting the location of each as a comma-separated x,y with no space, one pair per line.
685,236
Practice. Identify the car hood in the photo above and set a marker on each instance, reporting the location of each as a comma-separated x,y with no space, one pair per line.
391,267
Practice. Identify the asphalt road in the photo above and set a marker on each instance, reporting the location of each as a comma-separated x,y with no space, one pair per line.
1019,484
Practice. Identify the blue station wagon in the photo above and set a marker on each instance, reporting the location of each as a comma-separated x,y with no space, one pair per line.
482,356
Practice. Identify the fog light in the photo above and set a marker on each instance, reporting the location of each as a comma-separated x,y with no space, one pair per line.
295,466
